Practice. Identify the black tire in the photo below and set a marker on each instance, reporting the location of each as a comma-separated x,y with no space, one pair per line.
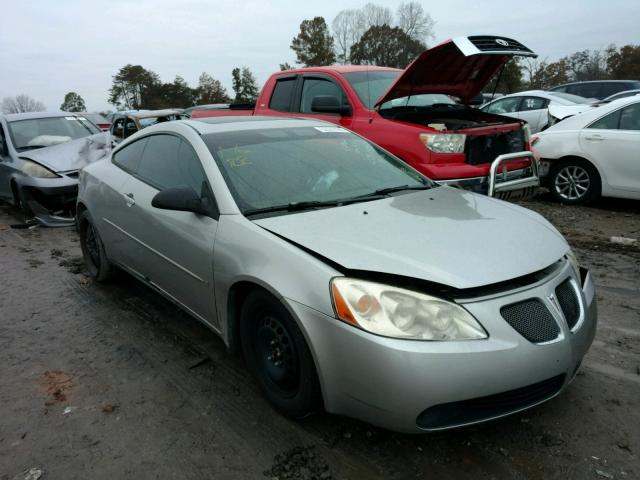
95,259
574,181
277,354
19,203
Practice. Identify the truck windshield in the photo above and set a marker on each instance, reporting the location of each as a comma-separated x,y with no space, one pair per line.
285,168
371,85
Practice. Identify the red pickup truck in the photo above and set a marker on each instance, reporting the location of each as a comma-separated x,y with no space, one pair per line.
411,113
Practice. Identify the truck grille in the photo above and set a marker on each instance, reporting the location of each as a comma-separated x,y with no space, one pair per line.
485,148
483,408
568,302
486,43
531,319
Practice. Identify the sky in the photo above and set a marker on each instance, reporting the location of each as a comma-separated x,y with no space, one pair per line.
49,48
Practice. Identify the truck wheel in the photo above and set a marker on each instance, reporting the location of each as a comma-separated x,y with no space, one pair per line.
95,259
277,354
574,181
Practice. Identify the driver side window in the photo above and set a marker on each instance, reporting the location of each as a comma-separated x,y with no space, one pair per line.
313,87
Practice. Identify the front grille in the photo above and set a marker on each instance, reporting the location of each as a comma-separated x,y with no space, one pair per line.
531,319
483,408
485,148
488,44
568,301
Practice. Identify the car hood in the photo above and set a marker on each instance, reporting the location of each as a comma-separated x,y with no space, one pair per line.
444,235
72,155
461,67
563,111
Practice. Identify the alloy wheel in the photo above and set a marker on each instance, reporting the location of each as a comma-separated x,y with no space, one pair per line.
572,182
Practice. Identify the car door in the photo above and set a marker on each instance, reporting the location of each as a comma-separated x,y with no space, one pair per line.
533,110
314,85
613,142
177,247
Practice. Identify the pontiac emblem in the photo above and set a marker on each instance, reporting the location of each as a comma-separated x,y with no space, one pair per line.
502,42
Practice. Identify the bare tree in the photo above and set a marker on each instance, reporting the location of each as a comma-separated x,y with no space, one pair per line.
412,19
21,103
342,27
373,15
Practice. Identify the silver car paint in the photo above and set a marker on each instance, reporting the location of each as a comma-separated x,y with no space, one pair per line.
384,381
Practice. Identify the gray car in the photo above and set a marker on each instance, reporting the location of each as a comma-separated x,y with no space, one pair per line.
40,156
348,280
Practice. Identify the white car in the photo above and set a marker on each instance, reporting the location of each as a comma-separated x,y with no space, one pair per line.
594,153
535,106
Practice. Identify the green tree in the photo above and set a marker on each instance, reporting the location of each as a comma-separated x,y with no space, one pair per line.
133,87
244,85
314,44
73,103
210,90
587,65
176,94
285,66
624,63
509,81
385,46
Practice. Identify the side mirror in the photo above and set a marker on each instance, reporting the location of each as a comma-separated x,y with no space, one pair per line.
329,104
183,199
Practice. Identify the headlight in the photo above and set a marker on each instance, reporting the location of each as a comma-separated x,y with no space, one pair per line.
575,264
444,142
34,169
396,312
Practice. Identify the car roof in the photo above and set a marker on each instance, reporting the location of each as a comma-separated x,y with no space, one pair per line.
595,81
225,124
12,117
149,113
342,69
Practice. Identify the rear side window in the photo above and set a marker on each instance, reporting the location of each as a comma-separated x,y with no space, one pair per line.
609,88
169,162
586,90
506,105
128,158
282,93
630,117
608,122
533,103
314,87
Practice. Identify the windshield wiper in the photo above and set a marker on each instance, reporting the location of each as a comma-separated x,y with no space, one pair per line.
293,207
399,188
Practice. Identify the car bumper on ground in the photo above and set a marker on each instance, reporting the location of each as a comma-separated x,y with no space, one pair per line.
417,386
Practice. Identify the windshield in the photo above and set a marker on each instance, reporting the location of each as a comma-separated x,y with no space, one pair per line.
272,167
371,85
44,132
570,97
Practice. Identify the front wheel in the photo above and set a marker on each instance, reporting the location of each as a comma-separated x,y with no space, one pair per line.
277,354
574,182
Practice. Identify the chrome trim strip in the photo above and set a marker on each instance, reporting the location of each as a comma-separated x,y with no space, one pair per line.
164,257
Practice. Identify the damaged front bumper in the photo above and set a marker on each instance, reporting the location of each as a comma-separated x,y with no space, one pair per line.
503,184
49,201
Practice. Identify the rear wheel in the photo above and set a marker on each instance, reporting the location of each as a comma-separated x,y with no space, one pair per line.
95,260
278,356
574,181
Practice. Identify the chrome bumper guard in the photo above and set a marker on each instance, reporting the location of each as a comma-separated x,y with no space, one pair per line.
521,187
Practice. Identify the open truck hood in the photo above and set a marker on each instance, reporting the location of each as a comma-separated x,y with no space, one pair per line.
461,67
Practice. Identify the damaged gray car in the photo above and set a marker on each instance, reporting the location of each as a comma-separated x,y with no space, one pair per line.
40,157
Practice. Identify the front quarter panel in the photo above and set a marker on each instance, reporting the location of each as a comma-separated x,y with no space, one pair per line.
245,252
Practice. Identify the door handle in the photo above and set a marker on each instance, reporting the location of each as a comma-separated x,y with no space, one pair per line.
129,199
594,138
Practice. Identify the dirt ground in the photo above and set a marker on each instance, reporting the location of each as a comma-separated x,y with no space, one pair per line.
110,381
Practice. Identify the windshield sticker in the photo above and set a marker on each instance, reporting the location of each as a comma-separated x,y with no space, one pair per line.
331,129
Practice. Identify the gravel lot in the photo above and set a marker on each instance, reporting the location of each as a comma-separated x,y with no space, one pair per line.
112,381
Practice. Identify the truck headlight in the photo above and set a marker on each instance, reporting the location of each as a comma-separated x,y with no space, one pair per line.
444,142
33,169
399,313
